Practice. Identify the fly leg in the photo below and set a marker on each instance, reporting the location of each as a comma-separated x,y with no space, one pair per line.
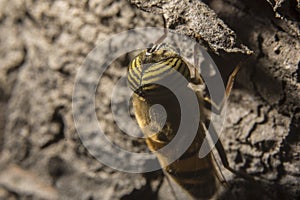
208,103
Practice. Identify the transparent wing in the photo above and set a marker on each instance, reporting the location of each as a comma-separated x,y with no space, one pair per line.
218,154
177,192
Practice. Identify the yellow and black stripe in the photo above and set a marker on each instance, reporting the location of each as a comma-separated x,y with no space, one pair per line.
149,68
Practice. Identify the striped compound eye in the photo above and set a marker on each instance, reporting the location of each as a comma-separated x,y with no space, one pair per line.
158,64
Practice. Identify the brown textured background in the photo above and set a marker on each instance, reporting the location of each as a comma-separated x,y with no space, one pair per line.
43,43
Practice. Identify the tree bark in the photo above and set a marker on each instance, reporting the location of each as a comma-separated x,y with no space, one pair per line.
43,44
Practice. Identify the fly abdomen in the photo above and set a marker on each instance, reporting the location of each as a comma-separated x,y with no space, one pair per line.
194,175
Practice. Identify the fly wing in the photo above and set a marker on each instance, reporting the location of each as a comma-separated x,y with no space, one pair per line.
218,156
177,192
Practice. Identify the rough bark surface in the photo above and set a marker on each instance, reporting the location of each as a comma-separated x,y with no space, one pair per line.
43,43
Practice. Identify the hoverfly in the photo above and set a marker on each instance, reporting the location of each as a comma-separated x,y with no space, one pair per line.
198,176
